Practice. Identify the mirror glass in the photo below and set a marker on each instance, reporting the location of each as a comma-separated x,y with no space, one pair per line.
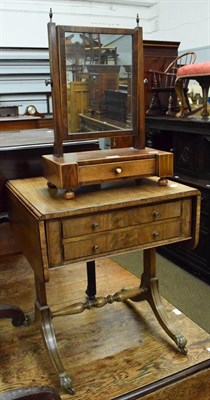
96,81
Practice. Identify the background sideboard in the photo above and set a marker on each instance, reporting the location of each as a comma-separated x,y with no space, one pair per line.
189,140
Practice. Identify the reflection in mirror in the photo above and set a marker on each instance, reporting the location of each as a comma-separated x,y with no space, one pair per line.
98,70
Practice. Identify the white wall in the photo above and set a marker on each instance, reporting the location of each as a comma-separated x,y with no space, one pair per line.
187,21
23,22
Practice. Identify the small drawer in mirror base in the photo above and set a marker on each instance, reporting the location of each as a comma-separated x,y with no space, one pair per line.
85,168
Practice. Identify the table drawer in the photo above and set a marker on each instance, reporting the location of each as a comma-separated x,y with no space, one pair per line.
116,170
94,223
123,238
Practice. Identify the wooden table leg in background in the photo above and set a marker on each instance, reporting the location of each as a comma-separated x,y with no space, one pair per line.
91,279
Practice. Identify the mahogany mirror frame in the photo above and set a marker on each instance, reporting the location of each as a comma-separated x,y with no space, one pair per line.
56,35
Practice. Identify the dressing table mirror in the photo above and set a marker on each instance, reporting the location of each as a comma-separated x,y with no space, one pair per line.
98,92
91,68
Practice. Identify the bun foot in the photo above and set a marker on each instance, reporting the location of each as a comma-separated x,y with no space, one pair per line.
69,194
163,182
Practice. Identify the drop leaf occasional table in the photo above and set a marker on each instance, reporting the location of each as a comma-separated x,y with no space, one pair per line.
114,219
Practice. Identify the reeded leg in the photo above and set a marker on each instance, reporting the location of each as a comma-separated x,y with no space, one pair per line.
150,281
161,315
43,315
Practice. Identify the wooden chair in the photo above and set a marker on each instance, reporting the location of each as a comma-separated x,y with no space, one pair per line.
164,101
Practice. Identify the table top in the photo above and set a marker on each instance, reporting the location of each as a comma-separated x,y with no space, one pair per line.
19,117
48,203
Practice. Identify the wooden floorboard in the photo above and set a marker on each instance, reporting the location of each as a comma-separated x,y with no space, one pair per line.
108,352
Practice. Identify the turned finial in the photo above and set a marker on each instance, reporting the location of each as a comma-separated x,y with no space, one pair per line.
137,20
50,14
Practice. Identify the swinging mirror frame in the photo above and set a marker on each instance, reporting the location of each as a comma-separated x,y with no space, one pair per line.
57,54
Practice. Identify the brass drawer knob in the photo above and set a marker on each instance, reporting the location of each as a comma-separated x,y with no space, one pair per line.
118,170
155,235
156,214
95,225
95,247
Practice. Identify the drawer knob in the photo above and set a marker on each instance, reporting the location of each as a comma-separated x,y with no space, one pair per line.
156,214
95,225
95,247
118,170
155,235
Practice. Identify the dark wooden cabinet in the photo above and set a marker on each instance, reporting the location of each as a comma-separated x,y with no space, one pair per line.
189,140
